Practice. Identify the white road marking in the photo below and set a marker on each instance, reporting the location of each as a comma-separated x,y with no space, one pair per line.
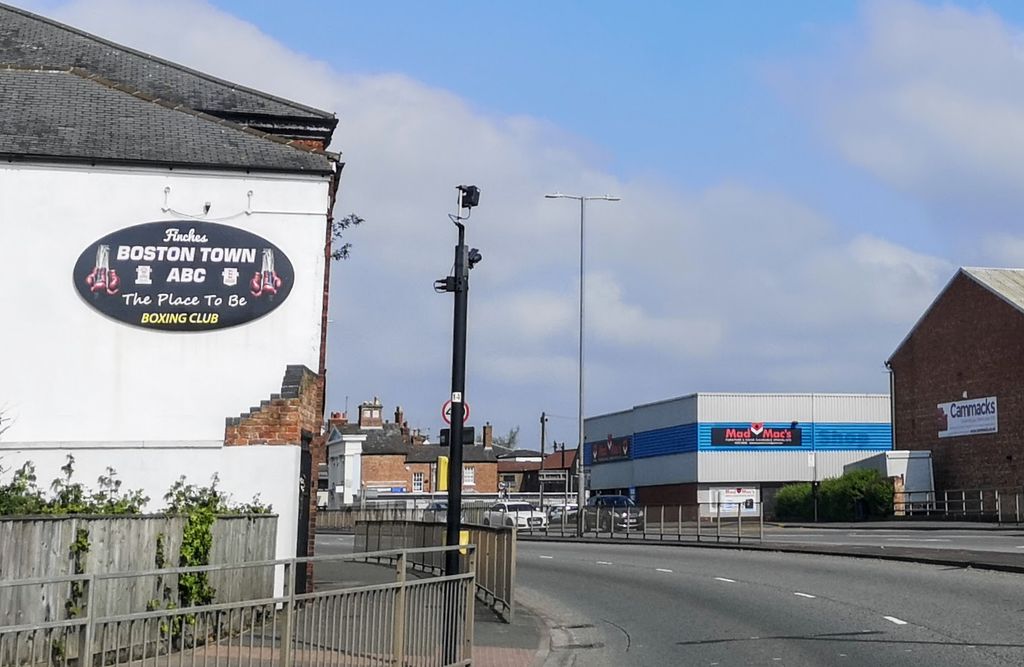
804,595
731,581
547,557
603,562
661,569
893,619
1020,547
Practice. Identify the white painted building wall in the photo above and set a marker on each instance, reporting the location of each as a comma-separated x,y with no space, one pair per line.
79,377
344,470
151,404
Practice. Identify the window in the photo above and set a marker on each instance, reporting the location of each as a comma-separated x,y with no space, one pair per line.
468,476
417,482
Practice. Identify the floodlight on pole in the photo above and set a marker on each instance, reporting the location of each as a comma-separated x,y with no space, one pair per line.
580,478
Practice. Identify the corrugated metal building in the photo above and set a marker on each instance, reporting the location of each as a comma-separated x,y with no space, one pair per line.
690,448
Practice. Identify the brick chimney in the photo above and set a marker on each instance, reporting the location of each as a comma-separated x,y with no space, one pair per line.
370,414
488,435
337,419
399,415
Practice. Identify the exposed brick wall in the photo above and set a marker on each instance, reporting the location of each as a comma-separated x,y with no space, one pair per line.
971,341
378,468
667,494
280,419
283,419
385,468
486,477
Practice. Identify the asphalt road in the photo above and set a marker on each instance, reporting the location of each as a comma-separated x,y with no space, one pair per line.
1007,541
627,604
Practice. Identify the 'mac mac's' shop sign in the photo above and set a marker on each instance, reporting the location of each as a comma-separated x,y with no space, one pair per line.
756,434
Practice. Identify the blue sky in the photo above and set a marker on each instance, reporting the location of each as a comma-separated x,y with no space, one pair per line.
798,179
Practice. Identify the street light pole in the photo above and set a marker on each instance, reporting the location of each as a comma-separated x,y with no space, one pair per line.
580,478
540,475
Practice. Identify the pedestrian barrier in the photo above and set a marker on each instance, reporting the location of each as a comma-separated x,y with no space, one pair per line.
702,522
1000,505
495,554
419,621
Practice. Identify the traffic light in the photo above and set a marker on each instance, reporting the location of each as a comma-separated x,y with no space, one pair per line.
442,473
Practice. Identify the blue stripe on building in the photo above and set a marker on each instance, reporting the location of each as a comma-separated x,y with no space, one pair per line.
672,440
692,437
820,436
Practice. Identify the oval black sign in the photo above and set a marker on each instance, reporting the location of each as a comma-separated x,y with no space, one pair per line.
183,275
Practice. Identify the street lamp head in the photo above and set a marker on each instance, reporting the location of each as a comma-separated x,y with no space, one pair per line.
562,195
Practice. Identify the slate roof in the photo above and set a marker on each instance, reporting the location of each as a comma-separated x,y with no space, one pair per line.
1007,284
32,41
77,116
518,453
386,440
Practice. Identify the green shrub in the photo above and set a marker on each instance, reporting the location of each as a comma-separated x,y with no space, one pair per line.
859,494
794,502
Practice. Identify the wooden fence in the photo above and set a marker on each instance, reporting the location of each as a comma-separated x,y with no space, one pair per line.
41,547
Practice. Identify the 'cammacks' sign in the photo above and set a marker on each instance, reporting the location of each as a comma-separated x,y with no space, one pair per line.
183,276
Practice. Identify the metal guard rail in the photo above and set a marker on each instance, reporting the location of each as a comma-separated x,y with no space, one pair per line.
418,622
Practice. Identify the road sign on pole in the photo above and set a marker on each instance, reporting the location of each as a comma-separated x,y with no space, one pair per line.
446,412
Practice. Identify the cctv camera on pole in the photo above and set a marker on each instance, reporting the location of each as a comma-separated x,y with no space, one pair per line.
469,197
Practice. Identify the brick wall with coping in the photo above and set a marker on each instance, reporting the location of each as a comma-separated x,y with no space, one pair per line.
285,419
970,341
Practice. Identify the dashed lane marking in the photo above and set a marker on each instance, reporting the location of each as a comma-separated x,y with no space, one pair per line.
729,581
604,562
661,569
804,595
547,557
893,619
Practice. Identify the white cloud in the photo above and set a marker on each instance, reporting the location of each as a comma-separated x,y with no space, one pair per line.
731,288
930,99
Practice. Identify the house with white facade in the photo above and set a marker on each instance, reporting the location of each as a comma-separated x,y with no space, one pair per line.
166,237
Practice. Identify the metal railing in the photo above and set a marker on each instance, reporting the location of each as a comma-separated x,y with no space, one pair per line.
422,622
708,521
495,554
1000,505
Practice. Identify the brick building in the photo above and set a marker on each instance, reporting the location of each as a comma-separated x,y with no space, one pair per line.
957,382
379,460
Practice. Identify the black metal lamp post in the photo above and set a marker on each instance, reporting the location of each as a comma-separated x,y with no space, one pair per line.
469,197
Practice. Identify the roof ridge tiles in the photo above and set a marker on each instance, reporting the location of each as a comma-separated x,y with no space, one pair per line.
310,111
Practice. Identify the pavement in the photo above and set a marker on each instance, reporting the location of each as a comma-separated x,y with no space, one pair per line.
528,640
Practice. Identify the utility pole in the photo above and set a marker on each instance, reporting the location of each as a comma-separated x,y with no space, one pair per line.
469,196
540,475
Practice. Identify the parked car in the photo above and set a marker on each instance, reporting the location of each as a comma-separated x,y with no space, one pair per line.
438,511
611,513
519,514
560,514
